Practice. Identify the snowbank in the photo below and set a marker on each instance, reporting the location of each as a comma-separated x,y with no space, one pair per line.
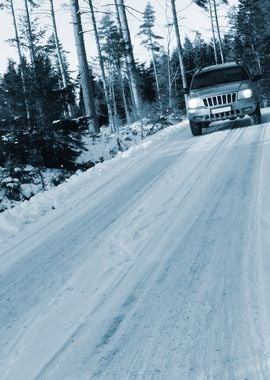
21,183
65,195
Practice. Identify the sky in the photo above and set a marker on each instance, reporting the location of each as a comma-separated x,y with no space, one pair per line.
191,20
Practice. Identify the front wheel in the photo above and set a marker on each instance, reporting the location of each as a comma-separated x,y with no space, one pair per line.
256,116
196,128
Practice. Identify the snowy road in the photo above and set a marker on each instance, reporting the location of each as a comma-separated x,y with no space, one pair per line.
158,267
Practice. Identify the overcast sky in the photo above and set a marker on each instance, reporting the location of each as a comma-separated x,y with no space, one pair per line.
191,19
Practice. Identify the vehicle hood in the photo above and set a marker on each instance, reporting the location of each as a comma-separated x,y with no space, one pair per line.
219,89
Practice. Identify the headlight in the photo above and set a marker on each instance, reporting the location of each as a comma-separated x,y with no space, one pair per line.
194,103
245,94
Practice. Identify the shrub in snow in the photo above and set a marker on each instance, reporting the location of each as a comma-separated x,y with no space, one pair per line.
11,188
20,183
56,146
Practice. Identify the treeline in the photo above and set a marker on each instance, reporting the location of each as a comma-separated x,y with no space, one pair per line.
44,112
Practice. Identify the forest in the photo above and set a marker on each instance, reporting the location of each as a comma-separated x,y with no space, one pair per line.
46,114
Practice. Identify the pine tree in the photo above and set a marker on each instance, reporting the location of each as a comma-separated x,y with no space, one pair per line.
151,42
146,83
12,94
197,54
113,49
55,146
251,36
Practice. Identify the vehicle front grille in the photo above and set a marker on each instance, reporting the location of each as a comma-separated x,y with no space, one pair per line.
223,115
219,100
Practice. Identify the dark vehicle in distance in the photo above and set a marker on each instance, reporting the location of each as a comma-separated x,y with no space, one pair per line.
220,92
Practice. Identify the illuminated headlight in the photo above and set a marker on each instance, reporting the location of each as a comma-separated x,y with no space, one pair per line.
245,94
195,103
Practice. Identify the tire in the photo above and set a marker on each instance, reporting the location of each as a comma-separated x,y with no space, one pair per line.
256,116
196,128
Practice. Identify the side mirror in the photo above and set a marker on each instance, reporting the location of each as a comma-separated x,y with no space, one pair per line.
257,77
186,91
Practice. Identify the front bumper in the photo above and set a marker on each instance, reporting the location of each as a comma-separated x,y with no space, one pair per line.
240,108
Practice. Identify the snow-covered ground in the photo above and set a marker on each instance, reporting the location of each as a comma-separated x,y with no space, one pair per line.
153,265
22,182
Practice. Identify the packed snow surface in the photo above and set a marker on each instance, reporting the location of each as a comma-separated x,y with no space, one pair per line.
153,265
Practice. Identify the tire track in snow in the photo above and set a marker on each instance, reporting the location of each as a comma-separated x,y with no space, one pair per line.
139,369
109,329
173,163
15,313
115,344
63,256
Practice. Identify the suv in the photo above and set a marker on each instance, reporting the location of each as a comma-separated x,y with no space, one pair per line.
220,92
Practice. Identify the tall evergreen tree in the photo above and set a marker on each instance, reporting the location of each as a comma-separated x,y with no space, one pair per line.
251,34
113,49
151,41
56,145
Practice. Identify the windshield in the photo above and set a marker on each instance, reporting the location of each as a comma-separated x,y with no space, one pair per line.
224,75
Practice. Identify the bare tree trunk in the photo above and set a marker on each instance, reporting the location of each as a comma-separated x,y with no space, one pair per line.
120,74
86,80
218,32
169,80
22,72
179,49
258,58
155,70
102,69
168,59
213,30
115,125
114,107
130,56
30,36
59,56
39,100
127,68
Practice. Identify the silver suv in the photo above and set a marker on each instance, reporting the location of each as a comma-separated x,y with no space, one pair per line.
221,92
